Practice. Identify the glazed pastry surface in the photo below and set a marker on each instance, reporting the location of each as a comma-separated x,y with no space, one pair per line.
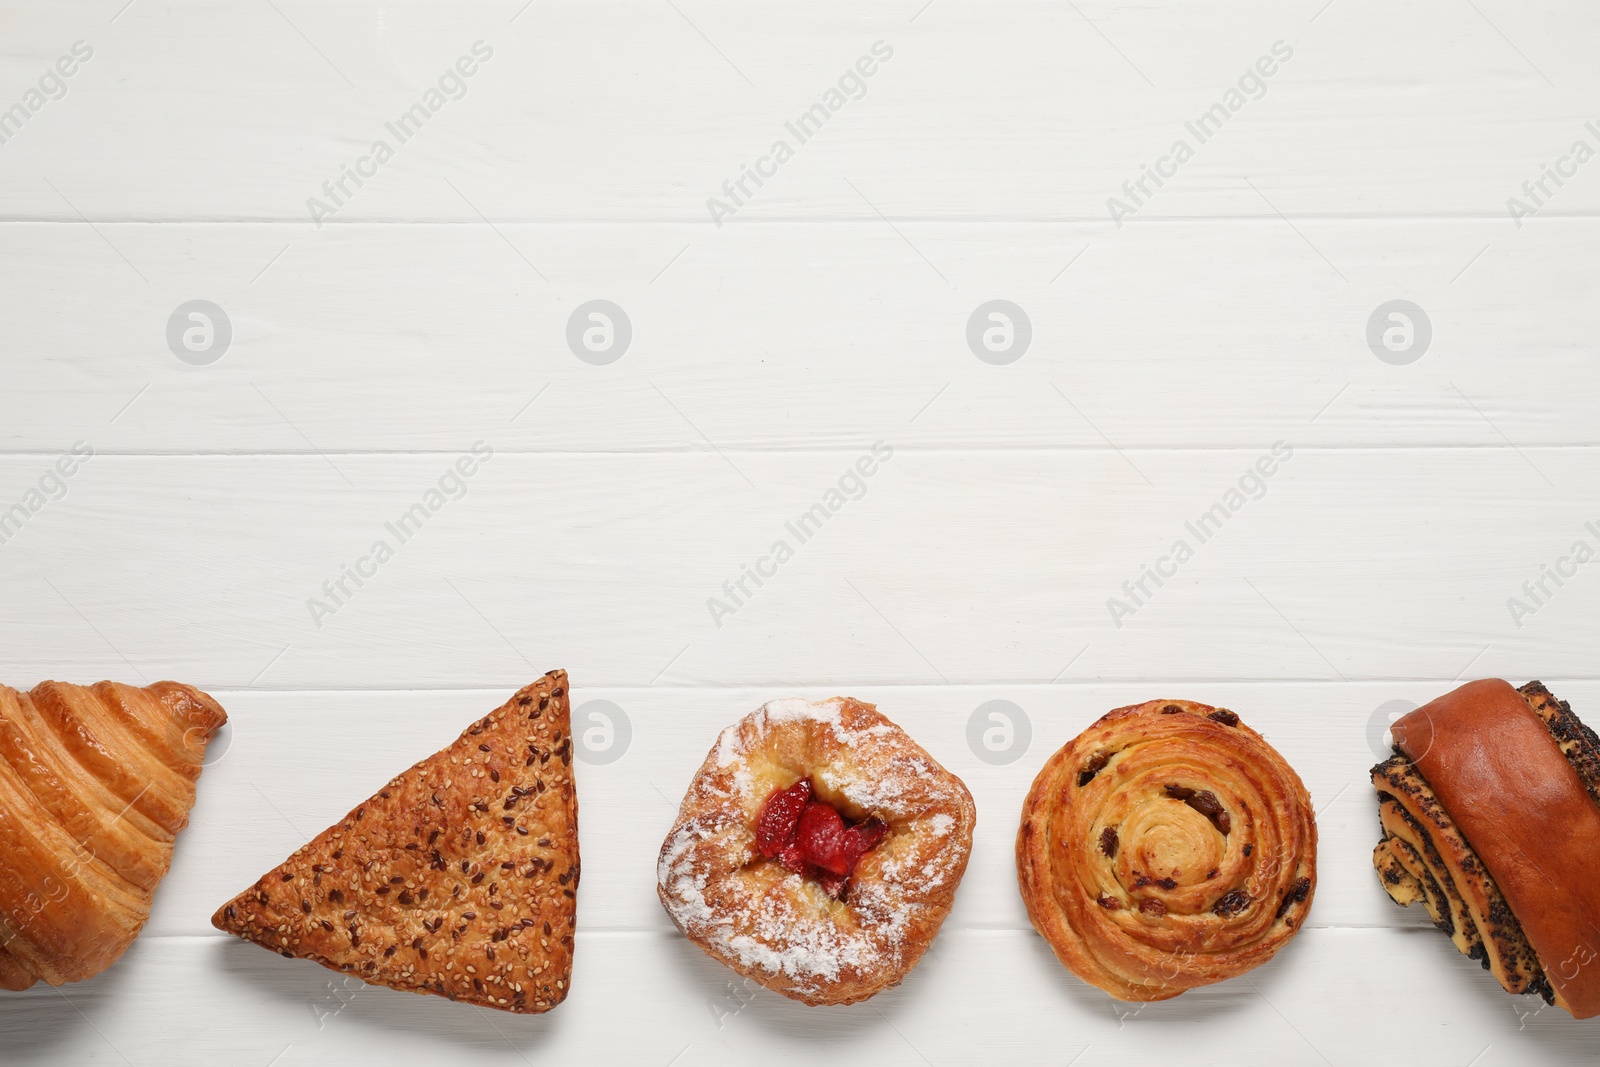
1491,821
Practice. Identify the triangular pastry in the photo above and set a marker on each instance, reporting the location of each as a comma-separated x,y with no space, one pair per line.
458,878
95,784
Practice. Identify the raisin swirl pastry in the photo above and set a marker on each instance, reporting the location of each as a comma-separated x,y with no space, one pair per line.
817,851
1490,811
1166,847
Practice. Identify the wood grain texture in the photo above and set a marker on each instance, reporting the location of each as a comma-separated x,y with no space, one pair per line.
647,997
1414,537
635,111
960,567
782,337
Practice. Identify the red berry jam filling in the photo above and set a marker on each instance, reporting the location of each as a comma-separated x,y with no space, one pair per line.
808,836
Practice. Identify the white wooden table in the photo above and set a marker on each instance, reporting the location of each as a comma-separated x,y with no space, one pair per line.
354,348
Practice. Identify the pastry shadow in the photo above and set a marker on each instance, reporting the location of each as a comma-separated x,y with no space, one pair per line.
1523,1017
57,1015
331,998
730,997
1203,1003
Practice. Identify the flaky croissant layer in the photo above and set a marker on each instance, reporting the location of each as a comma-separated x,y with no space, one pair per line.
95,784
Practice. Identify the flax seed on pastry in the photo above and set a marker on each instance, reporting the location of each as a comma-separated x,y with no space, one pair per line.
458,878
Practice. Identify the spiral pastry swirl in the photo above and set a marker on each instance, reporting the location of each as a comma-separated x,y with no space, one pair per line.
1166,847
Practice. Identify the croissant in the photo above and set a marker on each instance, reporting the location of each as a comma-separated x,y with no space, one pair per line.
1166,847
95,784
1490,810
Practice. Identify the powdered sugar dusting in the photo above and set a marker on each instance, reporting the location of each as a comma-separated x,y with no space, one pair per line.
790,929
728,748
791,709
773,924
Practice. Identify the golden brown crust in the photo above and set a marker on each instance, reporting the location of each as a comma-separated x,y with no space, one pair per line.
1513,770
1577,742
1398,870
779,928
1166,847
95,784
459,878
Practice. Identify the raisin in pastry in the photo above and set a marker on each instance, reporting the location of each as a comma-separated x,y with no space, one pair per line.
1168,846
